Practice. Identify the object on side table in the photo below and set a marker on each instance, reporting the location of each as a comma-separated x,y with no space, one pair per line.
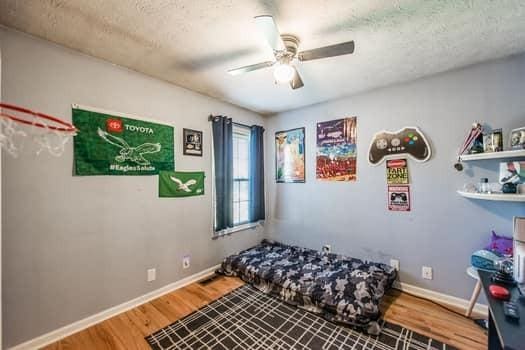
484,259
499,292
500,244
511,310
503,274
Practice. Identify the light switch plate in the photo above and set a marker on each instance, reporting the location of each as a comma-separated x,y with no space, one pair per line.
152,275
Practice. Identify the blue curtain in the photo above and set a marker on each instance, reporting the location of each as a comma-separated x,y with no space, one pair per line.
223,161
257,210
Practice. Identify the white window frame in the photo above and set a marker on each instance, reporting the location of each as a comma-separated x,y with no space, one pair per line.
242,132
243,225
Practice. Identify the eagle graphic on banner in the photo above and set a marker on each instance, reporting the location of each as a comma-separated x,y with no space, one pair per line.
133,154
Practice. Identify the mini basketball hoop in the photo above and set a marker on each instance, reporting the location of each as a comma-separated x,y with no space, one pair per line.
48,132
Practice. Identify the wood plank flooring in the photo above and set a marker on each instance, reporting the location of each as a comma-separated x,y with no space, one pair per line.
432,320
127,330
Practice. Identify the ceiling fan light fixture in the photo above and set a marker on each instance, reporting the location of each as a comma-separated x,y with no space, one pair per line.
283,73
285,51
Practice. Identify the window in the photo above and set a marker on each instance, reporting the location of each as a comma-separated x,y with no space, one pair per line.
238,193
241,175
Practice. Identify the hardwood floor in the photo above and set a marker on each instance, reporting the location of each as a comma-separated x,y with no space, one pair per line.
127,330
432,320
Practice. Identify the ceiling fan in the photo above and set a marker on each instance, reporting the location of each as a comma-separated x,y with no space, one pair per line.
285,52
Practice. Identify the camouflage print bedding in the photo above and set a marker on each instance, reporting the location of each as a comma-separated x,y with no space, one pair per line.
341,289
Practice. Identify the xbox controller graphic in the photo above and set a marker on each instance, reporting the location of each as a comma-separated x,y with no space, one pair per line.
407,141
398,197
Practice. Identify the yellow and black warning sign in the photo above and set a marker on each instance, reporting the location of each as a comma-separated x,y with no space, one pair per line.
397,172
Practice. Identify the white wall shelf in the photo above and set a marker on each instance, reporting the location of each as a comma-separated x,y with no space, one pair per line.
504,197
519,153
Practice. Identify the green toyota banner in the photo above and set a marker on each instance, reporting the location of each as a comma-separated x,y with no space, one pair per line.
112,145
181,183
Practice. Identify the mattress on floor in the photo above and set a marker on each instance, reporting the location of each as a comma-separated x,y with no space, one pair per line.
340,288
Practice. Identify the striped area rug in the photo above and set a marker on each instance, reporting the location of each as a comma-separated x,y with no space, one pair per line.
249,319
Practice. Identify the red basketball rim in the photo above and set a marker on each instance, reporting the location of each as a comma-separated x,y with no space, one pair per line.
66,127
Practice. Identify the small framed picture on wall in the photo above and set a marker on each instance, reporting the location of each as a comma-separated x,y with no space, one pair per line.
192,142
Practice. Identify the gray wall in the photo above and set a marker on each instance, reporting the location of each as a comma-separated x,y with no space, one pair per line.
74,246
443,229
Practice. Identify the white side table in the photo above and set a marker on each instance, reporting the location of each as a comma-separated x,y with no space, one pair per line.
473,272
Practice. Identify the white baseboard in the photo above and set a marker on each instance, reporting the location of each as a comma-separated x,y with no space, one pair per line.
77,326
441,298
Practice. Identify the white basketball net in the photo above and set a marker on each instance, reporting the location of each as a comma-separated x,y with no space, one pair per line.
52,141
13,136
10,137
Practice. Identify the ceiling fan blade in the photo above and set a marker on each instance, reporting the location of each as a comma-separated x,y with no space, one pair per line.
296,82
250,68
327,51
269,29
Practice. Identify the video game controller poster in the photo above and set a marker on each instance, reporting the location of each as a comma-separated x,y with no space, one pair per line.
408,141
336,150
399,198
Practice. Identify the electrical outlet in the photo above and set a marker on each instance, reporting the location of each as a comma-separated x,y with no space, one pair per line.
186,262
327,248
395,264
426,272
152,275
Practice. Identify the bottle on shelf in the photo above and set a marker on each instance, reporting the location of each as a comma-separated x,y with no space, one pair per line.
484,186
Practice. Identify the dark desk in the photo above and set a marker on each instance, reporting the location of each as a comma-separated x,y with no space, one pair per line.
503,333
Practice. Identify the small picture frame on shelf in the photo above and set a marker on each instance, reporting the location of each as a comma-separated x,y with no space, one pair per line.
517,138
493,141
192,142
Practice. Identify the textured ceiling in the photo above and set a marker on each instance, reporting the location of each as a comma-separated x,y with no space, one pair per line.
193,43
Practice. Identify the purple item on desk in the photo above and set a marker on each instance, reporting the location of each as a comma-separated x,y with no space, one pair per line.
500,244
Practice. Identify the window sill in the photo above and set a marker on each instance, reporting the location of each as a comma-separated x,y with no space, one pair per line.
242,227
